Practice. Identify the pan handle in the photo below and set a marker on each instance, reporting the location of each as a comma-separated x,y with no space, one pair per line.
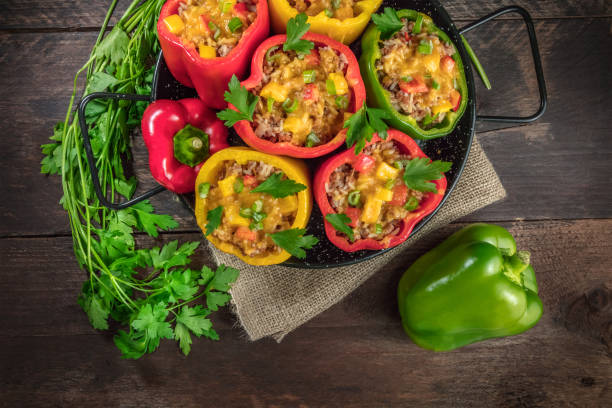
537,61
90,157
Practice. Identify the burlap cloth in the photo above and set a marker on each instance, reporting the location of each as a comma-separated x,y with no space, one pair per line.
274,300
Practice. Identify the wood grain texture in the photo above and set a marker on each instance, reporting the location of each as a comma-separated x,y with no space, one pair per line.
529,159
83,14
355,354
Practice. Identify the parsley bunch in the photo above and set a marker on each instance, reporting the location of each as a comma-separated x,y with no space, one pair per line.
148,290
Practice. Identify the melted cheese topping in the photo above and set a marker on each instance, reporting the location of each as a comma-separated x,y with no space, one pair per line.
340,9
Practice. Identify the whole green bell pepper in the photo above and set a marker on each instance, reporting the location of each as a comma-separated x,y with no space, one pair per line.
378,96
472,287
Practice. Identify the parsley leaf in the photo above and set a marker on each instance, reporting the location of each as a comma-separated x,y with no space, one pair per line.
242,100
114,45
341,222
375,118
294,240
214,219
278,188
359,130
387,23
100,81
151,321
296,28
224,276
194,320
95,309
419,171
149,222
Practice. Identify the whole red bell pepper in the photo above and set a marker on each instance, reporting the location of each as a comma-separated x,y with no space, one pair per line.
353,78
209,76
180,136
427,205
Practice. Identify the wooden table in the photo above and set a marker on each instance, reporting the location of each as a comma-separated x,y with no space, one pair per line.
557,172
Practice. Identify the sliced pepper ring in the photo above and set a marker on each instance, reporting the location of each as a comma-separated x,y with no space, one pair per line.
210,76
353,78
427,205
345,31
378,96
295,170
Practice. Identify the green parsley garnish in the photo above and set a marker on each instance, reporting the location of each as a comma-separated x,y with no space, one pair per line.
388,23
242,100
214,219
278,188
362,125
419,171
296,28
341,222
294,241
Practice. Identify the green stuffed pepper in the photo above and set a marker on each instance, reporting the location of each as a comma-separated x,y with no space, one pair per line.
412,70
474,286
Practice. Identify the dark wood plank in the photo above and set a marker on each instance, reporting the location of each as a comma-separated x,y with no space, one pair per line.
355,354
567,147
79,14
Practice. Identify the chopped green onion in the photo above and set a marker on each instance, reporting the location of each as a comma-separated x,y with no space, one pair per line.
212,26
331,87
269,56
455,84
226,6
428,120
435,85
336,4
257,206
407,78
354,197
477,64
310,75
290,105
312,139
246,212
329,13
425,47
203,190
238,185
389,184
411,204
398,165
341,102
216,34
270,104
256,226
417,24
258,216
234,24
378,229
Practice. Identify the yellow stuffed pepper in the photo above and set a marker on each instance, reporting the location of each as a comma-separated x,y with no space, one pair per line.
245,199
342,20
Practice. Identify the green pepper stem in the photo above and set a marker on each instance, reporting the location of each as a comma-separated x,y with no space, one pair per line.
191,145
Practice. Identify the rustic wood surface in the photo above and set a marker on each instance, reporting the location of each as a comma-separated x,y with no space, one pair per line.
557,172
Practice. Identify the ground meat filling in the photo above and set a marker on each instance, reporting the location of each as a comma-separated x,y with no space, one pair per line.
279,213
209,26
302,100
345,179
402,62
340,9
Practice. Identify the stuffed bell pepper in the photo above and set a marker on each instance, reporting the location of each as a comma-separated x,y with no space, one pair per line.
342,20
254,205
412,70
205,42
374,199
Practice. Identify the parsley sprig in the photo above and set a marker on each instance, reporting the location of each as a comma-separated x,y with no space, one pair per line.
341,222
242,100
277,187
418,173
294,241
388,23
362,125
296,28
213,218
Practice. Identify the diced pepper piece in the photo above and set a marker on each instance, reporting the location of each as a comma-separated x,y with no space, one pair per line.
400,193
288,204
240,10
353,213
249,181
364,163
385,172
206,51
339,82
417,85
383,194
233,217
371,210
447,63
443,107
174,23
226,186
275,91
311,92
431,62
299,125
204,20
312,59
455,99
246,234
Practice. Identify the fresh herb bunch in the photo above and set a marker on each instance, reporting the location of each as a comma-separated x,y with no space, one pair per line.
149,290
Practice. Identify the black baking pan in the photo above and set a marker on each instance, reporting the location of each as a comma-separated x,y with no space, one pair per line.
454,148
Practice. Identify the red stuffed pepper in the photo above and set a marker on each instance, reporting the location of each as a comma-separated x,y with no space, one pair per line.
206,42
374,200
180,136
304,100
